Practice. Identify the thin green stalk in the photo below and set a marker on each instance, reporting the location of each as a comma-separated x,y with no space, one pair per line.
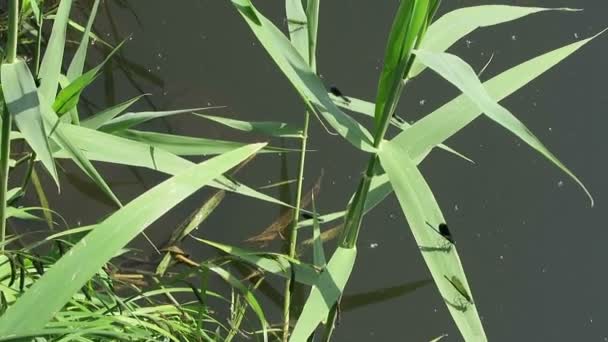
5,143
293,236
310,15
13,31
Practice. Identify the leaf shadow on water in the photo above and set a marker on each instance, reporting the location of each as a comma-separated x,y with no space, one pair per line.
362,299
90,189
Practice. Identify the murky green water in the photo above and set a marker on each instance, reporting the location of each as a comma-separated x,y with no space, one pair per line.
533,249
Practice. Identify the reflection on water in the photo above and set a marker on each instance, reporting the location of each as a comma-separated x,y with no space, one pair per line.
526,236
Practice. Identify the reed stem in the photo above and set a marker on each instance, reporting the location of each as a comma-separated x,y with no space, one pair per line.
5,143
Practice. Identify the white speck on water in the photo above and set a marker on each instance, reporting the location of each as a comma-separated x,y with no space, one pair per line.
160,55
550,129
514,37
422,102
543,270
456,208
131,38
501,257
576,35
468,42
560,184
158,68
591,320
373,245
534,104
391,216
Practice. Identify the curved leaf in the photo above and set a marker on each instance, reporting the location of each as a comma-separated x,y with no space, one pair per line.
454,25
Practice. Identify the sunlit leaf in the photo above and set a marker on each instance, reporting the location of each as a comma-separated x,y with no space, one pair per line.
423,213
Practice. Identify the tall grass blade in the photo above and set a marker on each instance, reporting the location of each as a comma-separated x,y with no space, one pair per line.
455,25
99,119
325,293
273,129
462,75
297,23
312,15
76,67
50,69
422,213
72,271
23,103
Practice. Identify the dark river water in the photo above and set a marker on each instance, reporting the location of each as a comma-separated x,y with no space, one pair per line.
532,247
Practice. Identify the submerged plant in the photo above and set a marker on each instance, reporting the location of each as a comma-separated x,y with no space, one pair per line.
78,288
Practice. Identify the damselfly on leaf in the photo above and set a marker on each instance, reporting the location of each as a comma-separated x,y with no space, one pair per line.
457,284
336,92
444,231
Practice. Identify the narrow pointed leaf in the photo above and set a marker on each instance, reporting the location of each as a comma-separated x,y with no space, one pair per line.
76,67
99,119
273,129
69,96
129,120
50,68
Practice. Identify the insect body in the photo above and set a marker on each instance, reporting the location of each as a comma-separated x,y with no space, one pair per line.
444,231
336,92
